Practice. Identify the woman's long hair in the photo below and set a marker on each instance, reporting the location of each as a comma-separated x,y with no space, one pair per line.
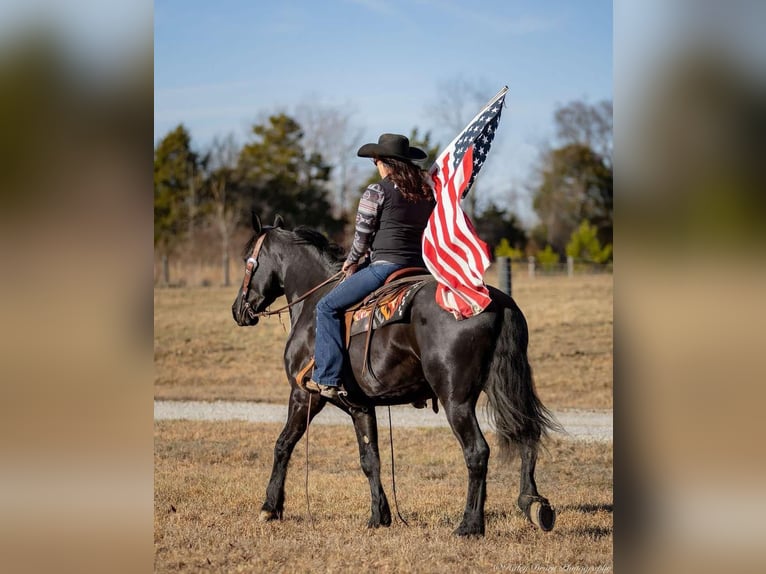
409,178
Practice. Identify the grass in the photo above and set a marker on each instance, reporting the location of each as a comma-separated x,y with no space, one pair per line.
210,480
200,353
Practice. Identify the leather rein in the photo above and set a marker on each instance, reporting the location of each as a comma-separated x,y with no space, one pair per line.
252,265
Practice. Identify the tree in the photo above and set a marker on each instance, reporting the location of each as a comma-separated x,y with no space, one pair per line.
221,182
282,178
175,167
584,244
424,142
458,100
504,249
579,122
574,184
574,179
330,131
495,224
547,258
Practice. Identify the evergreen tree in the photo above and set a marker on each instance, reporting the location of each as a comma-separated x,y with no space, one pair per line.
495,224
281,178
176,169
584,244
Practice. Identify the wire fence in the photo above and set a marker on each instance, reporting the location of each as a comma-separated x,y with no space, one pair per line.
571,266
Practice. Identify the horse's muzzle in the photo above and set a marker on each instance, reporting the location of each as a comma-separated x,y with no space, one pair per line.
244,315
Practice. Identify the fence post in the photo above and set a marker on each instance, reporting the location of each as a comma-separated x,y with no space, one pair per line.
570,265
531,265
504,274
165,271
226,270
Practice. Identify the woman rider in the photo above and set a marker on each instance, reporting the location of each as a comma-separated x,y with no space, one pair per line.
390,221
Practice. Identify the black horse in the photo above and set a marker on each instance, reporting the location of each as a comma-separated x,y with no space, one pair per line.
431,356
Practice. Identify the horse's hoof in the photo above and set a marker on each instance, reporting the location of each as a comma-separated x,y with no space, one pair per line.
378,523
464,531
267,515
542,515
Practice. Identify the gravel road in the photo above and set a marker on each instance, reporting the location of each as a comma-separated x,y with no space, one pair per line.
586,425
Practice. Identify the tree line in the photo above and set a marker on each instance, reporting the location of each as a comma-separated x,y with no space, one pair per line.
204,197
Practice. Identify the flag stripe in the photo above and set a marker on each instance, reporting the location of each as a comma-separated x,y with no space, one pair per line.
467,234
448,249
438,223
460,243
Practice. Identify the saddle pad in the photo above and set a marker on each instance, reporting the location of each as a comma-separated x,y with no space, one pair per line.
391,308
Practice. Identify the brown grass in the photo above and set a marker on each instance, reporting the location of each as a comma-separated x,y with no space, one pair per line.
210,480
200,353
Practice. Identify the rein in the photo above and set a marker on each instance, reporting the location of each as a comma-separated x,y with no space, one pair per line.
252,265
301,298
393,471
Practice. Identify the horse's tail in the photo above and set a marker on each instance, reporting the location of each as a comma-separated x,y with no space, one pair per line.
513,405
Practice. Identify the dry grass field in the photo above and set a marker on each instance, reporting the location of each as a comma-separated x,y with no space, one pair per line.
210,480
200,353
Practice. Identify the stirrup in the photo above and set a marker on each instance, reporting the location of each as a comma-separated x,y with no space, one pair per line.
326,391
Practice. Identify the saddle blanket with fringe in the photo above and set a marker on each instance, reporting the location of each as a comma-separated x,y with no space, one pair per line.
390,308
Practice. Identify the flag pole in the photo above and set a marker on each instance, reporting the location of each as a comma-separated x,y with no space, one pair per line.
500,93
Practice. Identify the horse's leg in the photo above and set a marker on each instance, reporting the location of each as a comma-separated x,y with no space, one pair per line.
462,419
536,508
366,426
292,432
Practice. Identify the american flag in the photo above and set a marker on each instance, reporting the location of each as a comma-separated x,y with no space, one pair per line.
452,251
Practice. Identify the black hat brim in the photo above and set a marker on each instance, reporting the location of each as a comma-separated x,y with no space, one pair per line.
377,150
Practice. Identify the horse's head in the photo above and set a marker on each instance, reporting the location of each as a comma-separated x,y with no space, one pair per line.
262,284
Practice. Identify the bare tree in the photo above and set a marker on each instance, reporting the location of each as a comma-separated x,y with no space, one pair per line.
579,122
222,165
457,102
330,130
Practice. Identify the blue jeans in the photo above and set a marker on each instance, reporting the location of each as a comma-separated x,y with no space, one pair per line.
330,349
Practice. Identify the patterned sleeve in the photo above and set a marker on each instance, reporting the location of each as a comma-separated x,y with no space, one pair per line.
367,219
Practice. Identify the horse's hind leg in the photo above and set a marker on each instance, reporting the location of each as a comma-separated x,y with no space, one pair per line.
366,426
462,419
536,508
300,403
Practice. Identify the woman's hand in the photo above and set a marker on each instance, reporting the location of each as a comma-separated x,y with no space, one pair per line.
350,268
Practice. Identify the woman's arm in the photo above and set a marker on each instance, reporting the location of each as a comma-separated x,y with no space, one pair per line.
367,220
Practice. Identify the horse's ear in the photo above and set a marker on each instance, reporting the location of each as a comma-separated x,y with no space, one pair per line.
278,221
256,223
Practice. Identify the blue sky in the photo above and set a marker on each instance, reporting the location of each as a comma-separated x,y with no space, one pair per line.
219,66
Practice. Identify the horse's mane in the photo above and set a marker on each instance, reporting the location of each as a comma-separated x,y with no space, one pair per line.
333,253
330,251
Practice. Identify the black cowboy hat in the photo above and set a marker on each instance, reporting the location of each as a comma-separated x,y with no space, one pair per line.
392,145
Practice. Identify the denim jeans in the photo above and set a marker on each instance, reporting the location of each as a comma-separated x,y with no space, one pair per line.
330,351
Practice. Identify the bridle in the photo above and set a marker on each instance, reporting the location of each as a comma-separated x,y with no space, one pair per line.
252,265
